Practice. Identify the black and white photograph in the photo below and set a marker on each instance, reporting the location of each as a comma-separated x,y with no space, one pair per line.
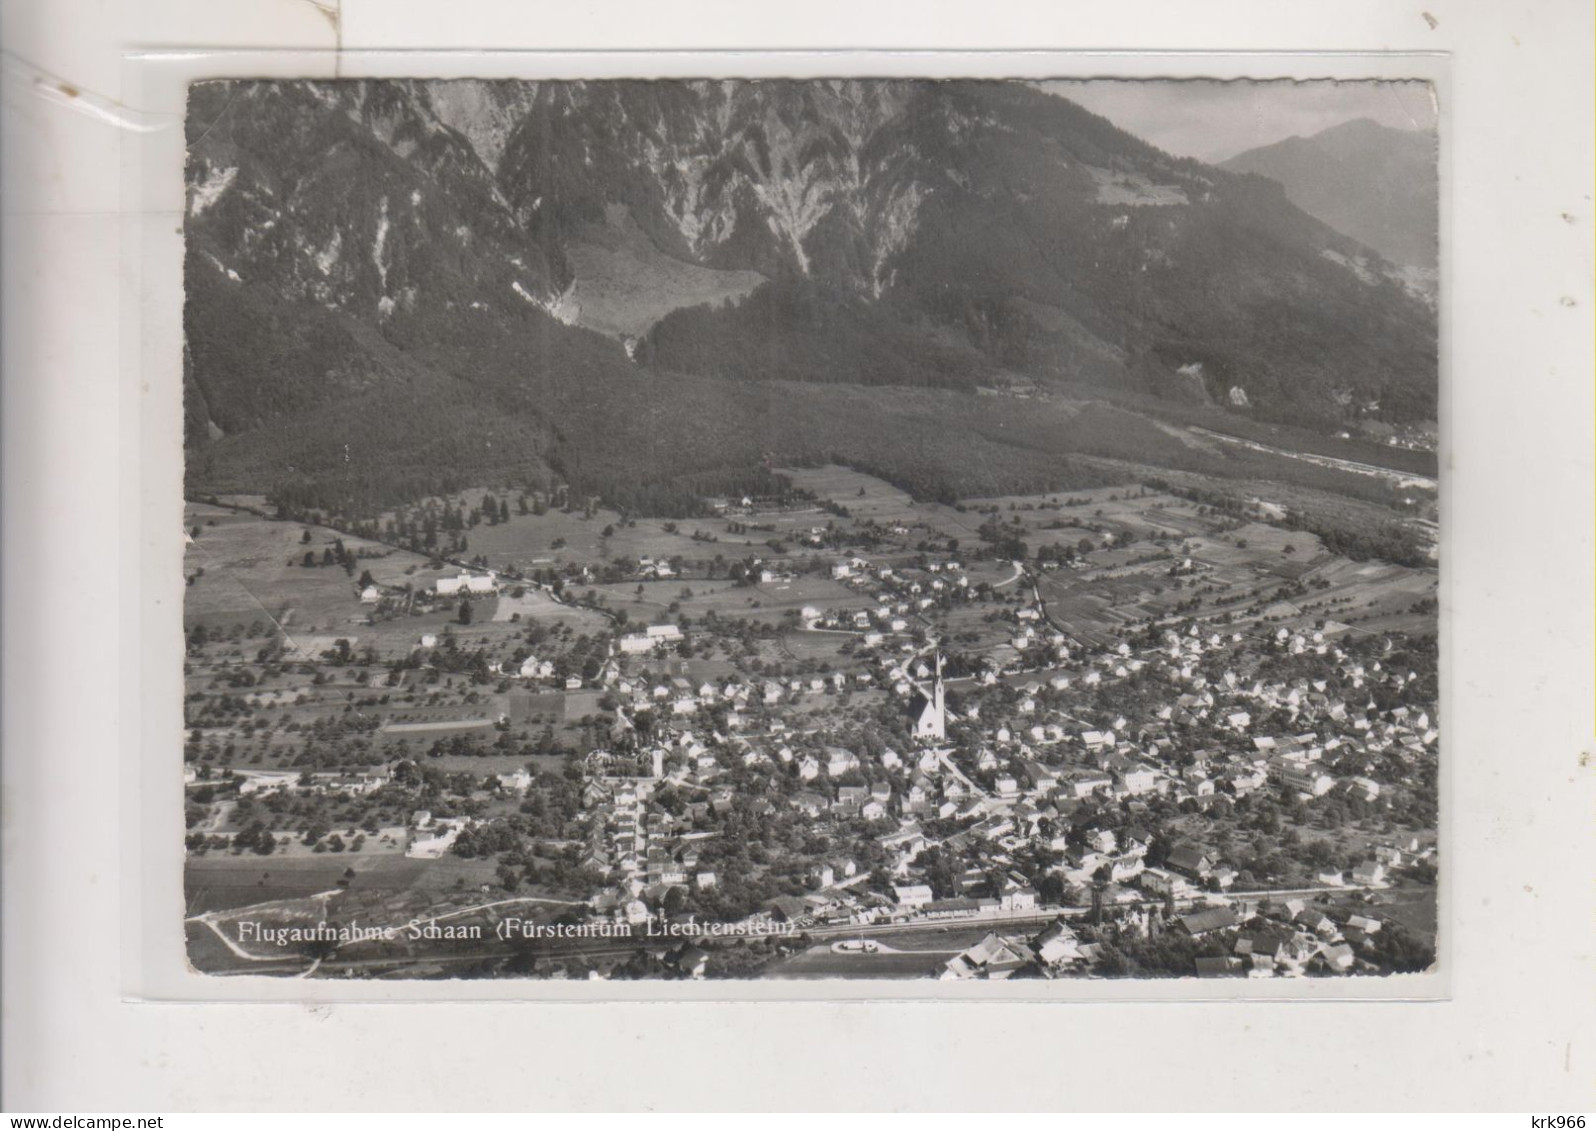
753,559
875,529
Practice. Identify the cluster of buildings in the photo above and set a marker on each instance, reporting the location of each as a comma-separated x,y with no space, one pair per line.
651,639
990,769
900,598
1286,939
1055,951
642,851
252,782
1011,780
678,695
432,837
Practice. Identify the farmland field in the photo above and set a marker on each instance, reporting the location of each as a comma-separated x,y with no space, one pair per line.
218,882
651,602
253,570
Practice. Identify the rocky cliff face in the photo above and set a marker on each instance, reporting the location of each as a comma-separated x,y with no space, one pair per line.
346,237
771,177
355,196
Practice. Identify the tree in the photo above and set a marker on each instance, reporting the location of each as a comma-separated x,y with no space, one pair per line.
255,837
675,901
465,610
1399,950
1112,962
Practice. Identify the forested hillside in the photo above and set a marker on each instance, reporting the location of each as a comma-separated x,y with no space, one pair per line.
655,291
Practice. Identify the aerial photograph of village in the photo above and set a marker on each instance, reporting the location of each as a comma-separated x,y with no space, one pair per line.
810,530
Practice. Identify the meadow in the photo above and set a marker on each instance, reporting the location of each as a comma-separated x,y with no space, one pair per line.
221,881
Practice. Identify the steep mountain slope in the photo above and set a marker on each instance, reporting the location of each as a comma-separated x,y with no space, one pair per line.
329,226
1374,183
394,287
1048,242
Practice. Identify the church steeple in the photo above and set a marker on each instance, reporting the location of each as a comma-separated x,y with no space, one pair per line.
930,720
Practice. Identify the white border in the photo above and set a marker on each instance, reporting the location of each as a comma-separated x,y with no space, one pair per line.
1515,1033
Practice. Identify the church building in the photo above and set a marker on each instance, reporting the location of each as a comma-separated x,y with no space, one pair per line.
928,712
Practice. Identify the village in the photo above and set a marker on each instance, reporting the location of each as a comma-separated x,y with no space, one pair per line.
985,734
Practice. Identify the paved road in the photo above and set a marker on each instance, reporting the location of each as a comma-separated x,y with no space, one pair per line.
1019,572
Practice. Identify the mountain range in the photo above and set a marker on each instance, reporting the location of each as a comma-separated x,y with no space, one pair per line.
1374,183
649,290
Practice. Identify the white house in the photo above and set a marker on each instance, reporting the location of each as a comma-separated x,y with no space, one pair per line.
1370,873
1313,782
911,897
436,839
840,761
1138,779
518,781
1159,881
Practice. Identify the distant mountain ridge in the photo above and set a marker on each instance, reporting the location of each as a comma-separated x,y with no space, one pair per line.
395,286
1372,182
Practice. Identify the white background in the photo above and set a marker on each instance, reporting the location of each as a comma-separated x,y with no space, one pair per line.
1520,760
